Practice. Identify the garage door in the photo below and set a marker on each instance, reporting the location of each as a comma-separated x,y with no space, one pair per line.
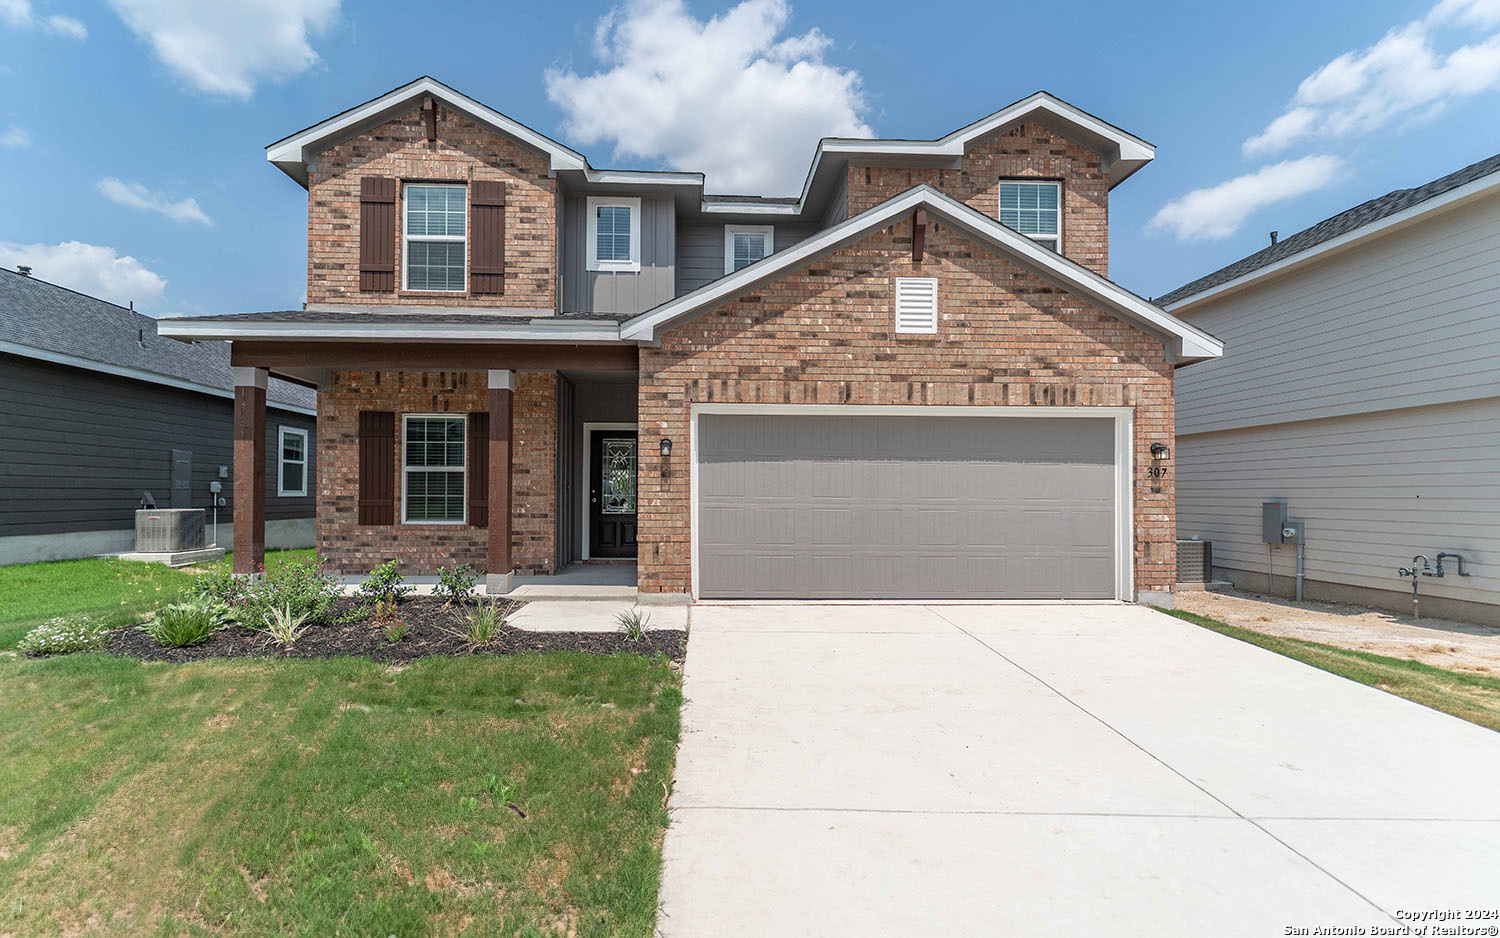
905,507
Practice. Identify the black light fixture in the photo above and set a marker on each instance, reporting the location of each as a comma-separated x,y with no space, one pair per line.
666,447
1159,451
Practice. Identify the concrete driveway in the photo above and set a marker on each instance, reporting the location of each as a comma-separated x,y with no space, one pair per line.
1054,770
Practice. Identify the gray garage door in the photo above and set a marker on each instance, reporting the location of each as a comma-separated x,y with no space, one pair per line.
905,507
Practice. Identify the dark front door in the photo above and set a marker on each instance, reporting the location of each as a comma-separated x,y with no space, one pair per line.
612,493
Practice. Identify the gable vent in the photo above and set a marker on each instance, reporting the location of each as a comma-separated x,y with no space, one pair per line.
916,304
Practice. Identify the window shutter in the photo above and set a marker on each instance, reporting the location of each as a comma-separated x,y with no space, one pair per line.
377,235
487,231
916,304
377,467
479,470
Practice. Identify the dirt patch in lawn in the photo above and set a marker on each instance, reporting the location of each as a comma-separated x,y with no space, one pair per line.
434,627
1442,643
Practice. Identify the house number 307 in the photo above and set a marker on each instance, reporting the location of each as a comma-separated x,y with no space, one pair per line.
1157,472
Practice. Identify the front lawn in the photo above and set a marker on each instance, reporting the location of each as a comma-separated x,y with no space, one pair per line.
517,795
1469,697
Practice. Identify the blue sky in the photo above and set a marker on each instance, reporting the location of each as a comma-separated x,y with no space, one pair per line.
131,131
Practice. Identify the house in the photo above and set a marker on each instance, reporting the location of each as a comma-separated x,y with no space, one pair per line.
96,409
1363,391
914,379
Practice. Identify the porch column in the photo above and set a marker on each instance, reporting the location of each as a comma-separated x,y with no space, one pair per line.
500,574
249,469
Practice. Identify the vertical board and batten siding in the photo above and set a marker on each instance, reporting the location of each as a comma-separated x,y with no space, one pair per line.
81,447
700,251
1408,320
603,291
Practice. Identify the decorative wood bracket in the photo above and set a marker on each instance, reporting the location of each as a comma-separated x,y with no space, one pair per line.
918,235
429,114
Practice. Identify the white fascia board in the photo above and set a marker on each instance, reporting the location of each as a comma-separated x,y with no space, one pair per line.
389,332
134,374
1485,185
1190,342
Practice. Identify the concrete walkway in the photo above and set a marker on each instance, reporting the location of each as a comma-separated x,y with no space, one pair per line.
1054,770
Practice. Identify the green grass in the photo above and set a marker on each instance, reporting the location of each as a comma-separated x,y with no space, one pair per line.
1471,697
336,797
122,592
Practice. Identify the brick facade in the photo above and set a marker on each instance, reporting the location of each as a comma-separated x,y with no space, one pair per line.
1027,151
824,335
353,548
464,151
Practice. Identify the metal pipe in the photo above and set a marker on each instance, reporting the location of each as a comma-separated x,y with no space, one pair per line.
1300,541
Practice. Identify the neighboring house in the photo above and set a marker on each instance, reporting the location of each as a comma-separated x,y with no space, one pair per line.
1364,388
874,389
96,409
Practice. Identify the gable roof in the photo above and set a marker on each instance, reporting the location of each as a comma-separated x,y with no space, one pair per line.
44,321
1188,342
1362,221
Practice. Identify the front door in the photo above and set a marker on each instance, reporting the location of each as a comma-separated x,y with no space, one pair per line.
612,493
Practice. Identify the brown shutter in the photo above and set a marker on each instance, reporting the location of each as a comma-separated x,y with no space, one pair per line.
479,470
377,235
487,232
377,467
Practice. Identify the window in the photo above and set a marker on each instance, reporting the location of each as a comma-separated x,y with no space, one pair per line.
614,233
432,469
916,304
434,237
1034,209
746,244
291,472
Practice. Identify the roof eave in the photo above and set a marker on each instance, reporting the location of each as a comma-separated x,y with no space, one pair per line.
201,330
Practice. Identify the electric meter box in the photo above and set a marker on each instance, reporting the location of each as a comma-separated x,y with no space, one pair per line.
1273,521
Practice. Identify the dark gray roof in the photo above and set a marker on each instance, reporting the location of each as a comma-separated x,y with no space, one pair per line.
50,318
1330,228
408,318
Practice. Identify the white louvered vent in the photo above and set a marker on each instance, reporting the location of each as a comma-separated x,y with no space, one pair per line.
916,304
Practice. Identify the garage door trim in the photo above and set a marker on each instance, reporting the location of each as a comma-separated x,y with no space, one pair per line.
1124,529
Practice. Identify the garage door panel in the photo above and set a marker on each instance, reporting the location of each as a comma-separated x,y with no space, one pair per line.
905,507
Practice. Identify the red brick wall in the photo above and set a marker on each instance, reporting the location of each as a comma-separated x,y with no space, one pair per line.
1028,151
824,335
463,151
353,548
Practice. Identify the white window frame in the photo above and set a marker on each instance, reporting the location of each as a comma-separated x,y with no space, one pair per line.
450,239
766,231
1045,239
462,470
281,462
595,202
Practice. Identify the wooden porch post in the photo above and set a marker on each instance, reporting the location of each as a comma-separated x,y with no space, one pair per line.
500,574
249,469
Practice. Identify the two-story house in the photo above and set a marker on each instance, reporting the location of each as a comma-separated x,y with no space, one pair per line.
912,380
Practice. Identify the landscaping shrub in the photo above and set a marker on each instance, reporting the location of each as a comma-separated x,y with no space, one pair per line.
484,622
384,582
284,627
456,585
219,584
305,588
182,624
395,630
63,634
633,623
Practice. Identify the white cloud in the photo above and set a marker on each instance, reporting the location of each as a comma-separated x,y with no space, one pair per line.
1413,71
19,13
729,97
1219,211
15,137
135,195
227,49
88,268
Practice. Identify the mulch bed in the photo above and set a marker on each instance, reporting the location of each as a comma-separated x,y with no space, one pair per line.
433,629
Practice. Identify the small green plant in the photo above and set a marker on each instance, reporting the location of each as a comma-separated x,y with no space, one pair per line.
483,624
62,635
219,584
395,630
456,585
285,627
633,622
307,587
182,624
383,609
384,582
497,788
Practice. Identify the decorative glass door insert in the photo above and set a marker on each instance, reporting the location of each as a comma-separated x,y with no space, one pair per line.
618,477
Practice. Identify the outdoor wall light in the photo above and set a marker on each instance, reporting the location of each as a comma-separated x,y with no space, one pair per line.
666,447
1160,451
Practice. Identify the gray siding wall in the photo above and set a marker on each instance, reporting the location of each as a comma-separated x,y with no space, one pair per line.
1410,319
700,251
1374,488
80,447
594,291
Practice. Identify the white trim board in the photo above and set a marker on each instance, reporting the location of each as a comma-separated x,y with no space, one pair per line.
522,331
589,427
1124,420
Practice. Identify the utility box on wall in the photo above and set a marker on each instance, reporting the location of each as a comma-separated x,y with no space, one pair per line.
1273,521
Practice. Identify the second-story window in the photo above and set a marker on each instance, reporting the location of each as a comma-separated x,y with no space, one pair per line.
746,244
434,238
1034,208
614,233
